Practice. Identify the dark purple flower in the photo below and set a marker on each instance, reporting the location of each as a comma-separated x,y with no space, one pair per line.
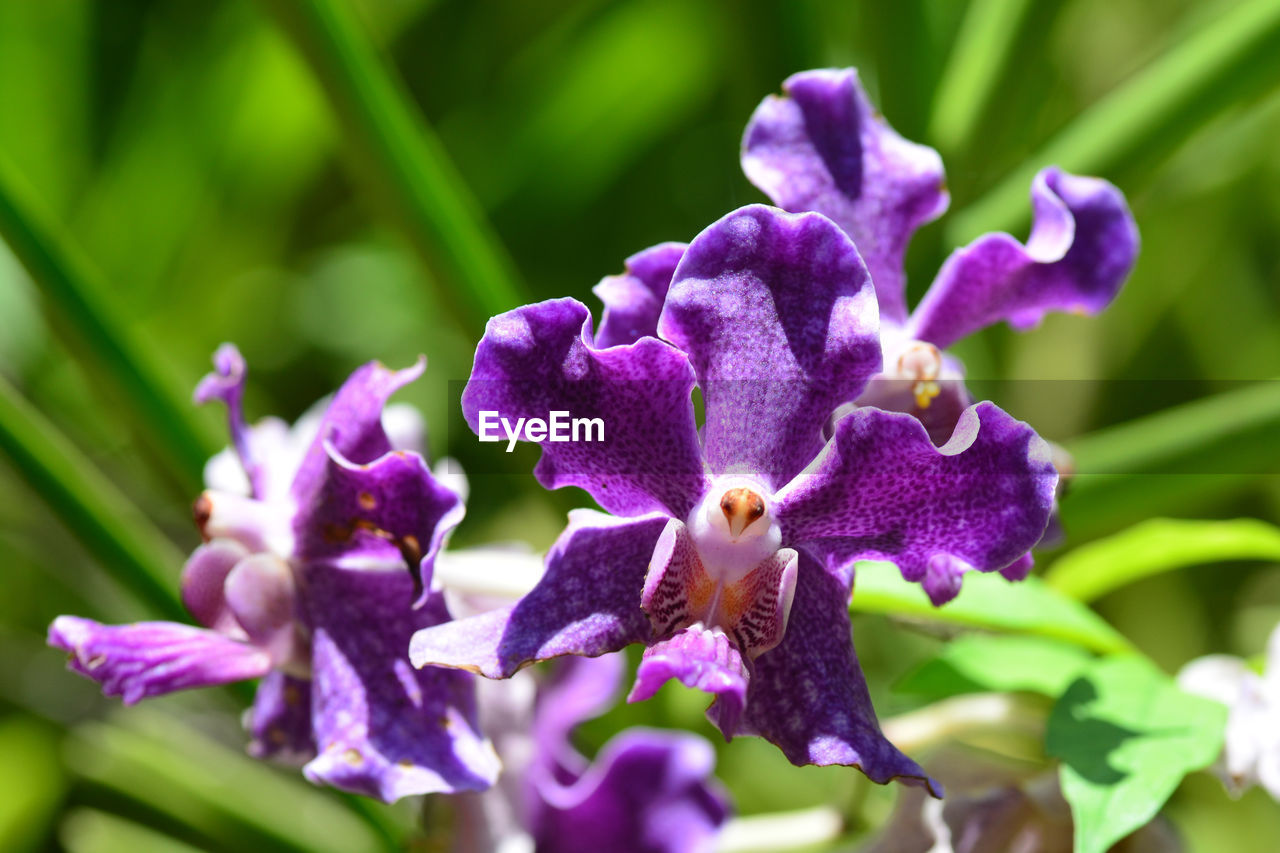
302,581
730,554
822,147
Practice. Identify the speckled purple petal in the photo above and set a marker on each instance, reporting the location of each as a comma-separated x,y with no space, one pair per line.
587,603
226,383
701,658
882,490
633,300
823,147
279,722
540,358
778,316
352,424
389,511
153,658
808,696
203,580
646,792
1082,246
382,728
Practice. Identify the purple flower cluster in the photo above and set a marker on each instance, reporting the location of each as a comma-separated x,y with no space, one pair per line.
835,428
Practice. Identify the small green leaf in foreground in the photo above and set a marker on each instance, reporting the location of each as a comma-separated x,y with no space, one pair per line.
979,663
1126,735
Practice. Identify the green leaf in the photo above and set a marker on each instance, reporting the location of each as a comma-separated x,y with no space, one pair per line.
991,602
1159,545
32,787
979,663
1126,735
1173,460
1156,108
83,311
406,166
111,528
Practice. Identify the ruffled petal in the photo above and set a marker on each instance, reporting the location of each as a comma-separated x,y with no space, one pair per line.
388,512
808,696
153,658
352,424
1082,246
633,300
882,490
540,359
279,722
587,603
646,792
778,316
704,659
823,147
382,728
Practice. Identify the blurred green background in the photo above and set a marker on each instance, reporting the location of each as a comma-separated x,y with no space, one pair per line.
234,171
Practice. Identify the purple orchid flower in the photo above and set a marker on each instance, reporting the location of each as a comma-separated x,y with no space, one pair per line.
822,147
302,581
730,554
647,791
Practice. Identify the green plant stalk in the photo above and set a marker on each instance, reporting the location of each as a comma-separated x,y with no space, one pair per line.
115,532
1159,545
404,162
79,304
1194,77
982,49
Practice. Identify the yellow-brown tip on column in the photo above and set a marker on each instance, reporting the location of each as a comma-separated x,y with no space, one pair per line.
741,507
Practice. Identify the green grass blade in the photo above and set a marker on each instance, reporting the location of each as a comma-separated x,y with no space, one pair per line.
1173,461
1178,433
982,48
404,162
989,602
1159,545
220,794
83,312
114,531
1154,109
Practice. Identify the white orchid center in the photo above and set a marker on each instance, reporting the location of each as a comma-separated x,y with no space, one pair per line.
734,528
